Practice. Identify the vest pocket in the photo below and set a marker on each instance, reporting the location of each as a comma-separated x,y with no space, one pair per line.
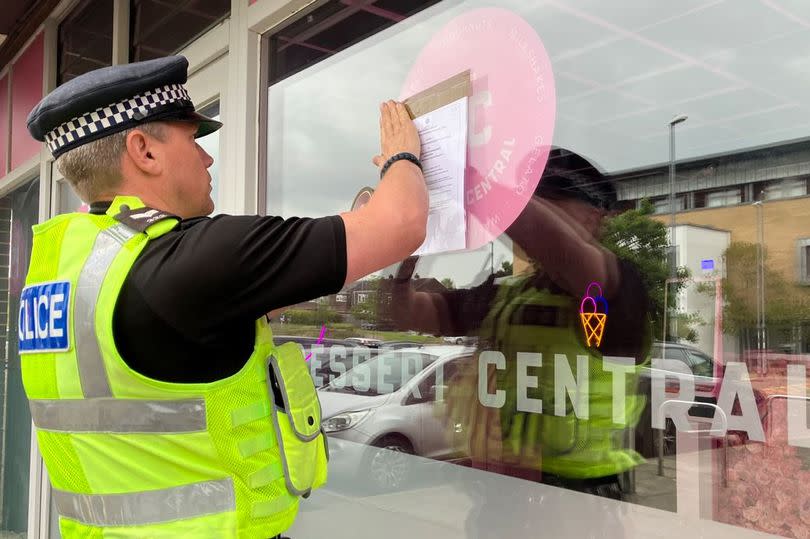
297,419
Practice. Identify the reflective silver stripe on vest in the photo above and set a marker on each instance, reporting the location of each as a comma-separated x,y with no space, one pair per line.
92,374
119,415
148,507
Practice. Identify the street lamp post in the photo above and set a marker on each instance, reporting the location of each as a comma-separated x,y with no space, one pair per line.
673,264
672,123
761,334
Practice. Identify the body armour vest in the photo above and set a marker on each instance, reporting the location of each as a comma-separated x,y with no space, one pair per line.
129,456
572,434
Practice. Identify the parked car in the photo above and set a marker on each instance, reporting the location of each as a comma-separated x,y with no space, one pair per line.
395,345
389,404
331,361
461,339
707,373
708,376
365,341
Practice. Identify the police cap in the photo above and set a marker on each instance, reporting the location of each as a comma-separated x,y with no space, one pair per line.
569,175
112,99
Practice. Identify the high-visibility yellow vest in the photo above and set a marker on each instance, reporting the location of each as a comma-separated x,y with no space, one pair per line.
129,456
526,319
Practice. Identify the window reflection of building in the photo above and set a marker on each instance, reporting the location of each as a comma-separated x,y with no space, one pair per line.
331,28
664,205
723,198
85,39
718,192
161,28
787,188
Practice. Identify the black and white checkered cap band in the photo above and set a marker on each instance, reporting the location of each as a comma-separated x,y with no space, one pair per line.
103,118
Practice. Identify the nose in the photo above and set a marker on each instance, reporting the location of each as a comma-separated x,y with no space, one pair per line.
207,159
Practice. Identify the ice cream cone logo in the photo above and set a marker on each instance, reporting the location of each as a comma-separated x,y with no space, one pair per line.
593,320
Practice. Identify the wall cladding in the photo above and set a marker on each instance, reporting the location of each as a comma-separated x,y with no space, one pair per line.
26,92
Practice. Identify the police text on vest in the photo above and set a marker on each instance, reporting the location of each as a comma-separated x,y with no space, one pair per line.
43,320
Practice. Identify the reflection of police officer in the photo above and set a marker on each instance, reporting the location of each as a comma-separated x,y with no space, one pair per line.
538,312
162,406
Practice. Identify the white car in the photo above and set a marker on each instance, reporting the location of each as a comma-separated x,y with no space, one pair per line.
365,341
458,340
392,405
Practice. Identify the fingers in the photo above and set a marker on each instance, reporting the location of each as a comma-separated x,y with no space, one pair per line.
386,120
382,123
398,132
402,112
397,109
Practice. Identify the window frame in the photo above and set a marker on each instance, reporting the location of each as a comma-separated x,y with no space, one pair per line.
725,197
663,204
778,189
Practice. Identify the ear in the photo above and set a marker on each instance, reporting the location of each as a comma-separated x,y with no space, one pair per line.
145,153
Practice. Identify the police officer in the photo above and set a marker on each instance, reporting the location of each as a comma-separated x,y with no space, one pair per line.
162,406
537,312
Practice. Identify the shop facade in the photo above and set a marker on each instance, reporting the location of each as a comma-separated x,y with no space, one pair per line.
297,84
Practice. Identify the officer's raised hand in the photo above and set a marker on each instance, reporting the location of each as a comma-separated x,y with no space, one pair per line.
392,225
397,133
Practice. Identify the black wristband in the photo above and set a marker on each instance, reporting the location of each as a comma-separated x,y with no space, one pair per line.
407,156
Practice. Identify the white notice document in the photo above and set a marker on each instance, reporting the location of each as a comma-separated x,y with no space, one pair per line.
444,158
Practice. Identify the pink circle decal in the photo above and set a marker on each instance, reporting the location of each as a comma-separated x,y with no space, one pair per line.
511,111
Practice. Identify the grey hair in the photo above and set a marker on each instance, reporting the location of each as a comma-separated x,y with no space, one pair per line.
94,169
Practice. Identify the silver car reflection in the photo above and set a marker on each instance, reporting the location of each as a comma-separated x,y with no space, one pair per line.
394,404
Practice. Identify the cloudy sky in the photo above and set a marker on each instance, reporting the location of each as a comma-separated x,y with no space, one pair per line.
740,69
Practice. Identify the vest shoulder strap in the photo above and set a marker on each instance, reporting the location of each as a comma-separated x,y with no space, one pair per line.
131,212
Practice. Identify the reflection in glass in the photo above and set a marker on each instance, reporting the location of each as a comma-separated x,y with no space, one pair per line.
730,337
161,29
85,39
384,374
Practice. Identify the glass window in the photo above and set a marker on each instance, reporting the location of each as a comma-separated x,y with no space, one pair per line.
621,72
68,201
19,211
450,371
161,28
664,205
85,39
723,198
384,374
331,28
791,187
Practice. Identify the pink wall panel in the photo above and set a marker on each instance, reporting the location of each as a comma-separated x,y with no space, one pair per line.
3,123
26,92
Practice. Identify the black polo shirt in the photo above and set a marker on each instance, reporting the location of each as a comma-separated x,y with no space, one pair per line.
187,309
